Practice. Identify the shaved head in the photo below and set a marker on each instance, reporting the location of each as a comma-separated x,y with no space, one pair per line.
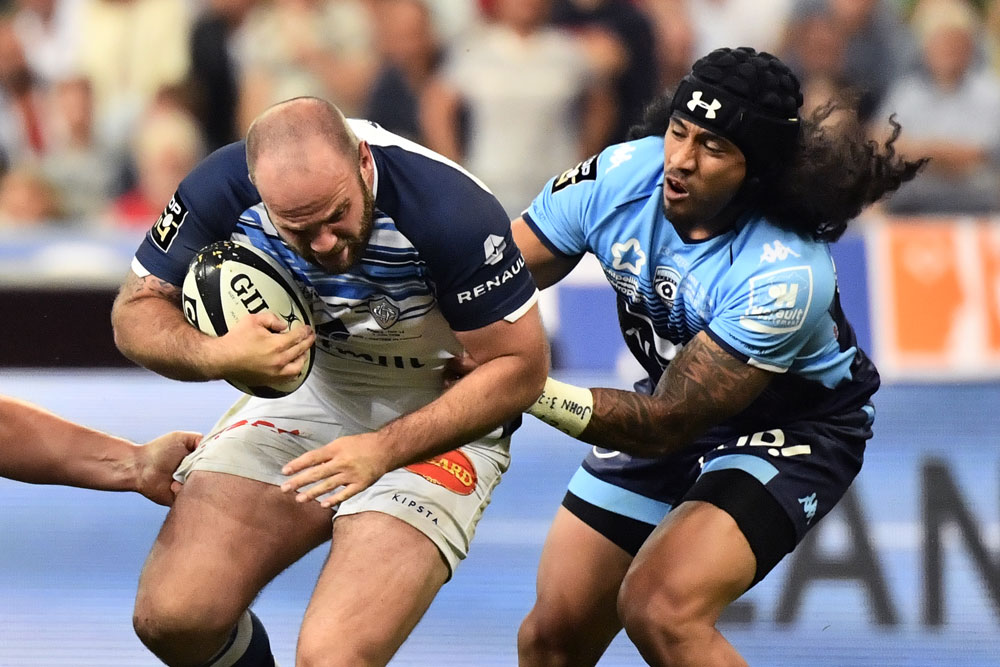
283,131
315,179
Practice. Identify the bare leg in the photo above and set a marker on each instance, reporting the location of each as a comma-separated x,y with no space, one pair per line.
223,540
575,616
694,564
381,577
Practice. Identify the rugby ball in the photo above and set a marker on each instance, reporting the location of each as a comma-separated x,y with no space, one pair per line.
227,281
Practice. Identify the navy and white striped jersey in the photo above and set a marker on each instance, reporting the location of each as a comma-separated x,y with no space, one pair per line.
440,259
763,293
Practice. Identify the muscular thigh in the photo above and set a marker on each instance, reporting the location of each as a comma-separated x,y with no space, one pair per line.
224,538
380,578
579,574
775,484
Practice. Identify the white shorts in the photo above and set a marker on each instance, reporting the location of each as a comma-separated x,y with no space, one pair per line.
443,498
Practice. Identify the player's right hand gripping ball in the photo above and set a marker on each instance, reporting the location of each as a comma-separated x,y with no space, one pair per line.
227,281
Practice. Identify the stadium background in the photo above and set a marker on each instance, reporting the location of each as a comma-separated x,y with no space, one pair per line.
905,572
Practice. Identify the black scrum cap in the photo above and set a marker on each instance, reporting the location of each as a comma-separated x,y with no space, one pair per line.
750,98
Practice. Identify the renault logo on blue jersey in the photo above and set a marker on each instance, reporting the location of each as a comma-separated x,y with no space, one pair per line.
696,102
494,246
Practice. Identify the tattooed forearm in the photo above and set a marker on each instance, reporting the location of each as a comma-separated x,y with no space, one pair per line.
148,286
701,387
150,329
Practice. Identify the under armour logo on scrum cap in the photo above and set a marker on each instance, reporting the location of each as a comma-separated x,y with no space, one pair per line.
755,103
696,102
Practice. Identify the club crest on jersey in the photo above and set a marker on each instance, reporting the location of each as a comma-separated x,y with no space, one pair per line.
666,282
585,171
710,108
169,223
383,311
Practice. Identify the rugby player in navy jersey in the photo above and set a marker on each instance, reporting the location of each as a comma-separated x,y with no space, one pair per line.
39,447
712,226
406,260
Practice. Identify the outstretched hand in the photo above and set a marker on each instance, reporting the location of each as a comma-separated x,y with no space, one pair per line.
156,462
353,462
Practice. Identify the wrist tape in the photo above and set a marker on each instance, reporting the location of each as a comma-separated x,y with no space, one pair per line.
564,406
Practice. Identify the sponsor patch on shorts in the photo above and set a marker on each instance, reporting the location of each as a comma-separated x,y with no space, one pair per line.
453,470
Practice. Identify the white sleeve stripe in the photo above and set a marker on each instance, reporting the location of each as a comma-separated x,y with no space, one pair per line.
138,269
525,307
379,136
766,366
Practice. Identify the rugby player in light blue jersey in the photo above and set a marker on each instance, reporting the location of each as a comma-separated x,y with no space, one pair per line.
713,230
406,260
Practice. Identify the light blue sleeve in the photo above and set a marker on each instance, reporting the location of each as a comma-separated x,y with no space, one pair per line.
769,311
576,203
559,214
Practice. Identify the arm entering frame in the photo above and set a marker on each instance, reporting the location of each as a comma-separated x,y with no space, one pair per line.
701,387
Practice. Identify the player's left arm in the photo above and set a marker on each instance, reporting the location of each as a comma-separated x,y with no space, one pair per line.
703,386
512,358
39,447
757,332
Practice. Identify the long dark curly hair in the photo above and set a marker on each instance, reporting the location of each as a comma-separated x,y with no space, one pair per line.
835,171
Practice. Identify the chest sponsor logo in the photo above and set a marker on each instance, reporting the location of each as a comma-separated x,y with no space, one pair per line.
776,252
383,311
452,470
585,171
628,256
494,246
779,300
666,284
625,285
169,223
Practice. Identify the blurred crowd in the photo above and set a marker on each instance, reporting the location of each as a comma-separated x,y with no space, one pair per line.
106,104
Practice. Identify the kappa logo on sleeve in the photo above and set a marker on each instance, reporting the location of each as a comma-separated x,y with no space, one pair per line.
621,155
779,300
165,230
585,171
778,252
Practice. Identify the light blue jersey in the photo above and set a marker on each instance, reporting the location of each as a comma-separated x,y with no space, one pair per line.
765,294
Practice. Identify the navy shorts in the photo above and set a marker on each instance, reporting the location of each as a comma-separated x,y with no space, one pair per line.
777,484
